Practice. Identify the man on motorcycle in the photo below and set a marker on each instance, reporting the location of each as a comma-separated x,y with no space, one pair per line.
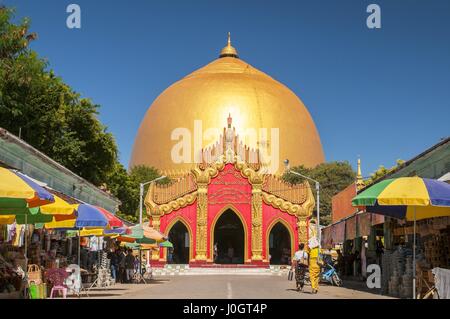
300,264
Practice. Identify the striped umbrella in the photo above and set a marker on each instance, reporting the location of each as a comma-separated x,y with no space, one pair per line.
18,193
113,221
410,198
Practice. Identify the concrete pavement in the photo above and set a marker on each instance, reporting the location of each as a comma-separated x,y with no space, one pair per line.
227,287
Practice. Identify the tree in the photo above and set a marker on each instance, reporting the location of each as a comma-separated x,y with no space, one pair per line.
46,112
125,186
333,178
382,171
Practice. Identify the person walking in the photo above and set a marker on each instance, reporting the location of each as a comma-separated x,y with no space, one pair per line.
112,256
314,266
300,264
129,265
121,262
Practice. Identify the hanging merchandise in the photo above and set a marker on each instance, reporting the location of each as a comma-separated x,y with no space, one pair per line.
11,232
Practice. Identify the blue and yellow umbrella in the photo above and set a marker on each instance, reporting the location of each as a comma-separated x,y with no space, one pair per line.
410,198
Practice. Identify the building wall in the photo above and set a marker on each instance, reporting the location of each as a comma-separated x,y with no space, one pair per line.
188,216
341,203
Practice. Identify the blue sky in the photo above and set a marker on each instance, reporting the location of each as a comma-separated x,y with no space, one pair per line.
382,94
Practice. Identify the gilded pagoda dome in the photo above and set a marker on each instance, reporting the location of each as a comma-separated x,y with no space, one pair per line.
228,86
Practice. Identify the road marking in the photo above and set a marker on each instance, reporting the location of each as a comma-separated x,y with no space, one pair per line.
229,291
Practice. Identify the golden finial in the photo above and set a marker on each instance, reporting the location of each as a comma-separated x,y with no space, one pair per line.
359,178
229,50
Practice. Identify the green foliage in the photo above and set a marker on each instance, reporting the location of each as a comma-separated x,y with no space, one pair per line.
332,176
127,217
46,112
125,186
382,171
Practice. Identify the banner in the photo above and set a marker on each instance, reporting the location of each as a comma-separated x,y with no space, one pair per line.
338,233
327,239
377,219
364,223
350,228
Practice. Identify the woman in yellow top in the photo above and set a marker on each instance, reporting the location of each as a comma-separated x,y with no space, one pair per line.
314,269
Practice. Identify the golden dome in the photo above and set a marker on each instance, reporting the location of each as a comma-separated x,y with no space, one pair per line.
226,86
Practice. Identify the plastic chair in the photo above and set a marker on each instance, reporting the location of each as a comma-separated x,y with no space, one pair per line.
57,278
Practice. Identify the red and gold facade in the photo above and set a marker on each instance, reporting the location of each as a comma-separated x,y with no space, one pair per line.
231,177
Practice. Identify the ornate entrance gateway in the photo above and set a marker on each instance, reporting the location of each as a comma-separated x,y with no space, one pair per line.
280,245
229,239
230,199
179,237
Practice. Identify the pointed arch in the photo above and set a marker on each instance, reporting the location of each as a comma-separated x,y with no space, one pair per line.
288,228
213,227
188,227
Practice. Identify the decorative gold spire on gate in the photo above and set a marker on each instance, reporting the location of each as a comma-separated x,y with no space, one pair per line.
359,179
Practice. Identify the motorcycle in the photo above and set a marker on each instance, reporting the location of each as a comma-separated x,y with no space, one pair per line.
329,274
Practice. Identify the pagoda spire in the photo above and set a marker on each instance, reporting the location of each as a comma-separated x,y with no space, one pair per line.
229,50
359,179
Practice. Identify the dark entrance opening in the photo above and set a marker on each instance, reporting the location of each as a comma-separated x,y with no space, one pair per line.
229,238
179,237
279,245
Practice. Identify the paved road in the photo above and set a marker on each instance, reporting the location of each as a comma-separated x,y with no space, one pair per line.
225,287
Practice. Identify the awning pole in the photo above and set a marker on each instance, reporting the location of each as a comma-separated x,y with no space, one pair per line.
79,247
414,256
26,247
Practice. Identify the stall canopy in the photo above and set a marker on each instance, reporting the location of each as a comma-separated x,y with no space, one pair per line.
90,216
406,197
113,221
18,193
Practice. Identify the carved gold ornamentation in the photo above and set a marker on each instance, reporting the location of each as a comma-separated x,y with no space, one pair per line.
257,222
202,222
285,206
165,193
302,229
296,194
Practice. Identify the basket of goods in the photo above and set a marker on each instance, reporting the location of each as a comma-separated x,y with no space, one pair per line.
34,274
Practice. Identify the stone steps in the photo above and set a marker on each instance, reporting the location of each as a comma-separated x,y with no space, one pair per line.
180,270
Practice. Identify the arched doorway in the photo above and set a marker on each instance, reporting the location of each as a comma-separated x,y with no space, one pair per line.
179,237
279,245
229,235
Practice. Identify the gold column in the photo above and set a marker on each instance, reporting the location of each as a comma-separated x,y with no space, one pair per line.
302,229
202,222
155,224
256,221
